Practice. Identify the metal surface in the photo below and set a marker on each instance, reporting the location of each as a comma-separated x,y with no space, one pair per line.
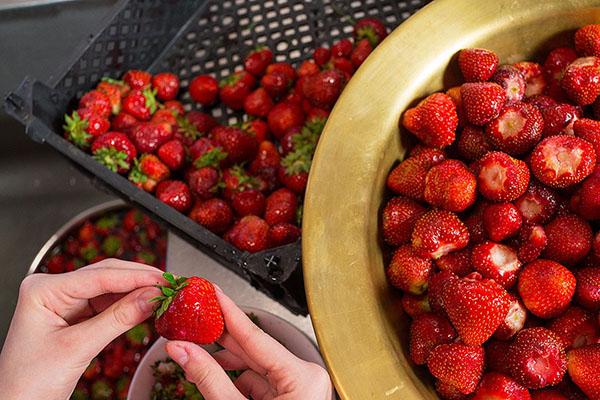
359,323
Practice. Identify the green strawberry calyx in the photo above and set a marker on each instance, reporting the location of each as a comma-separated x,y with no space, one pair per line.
168,292
230,80
366,32
211,158
136,175
244,181
112,158
305,143
76,129
187,128
150,96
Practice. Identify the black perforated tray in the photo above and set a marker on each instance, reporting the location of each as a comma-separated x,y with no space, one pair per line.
190,37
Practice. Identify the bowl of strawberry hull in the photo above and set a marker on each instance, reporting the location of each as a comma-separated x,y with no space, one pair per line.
451,221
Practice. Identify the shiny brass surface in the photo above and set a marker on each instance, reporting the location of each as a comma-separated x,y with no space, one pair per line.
358,321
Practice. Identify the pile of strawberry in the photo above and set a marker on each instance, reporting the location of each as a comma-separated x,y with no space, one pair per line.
494,225
244,182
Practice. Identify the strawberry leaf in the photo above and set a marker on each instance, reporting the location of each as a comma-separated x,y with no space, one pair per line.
211,158
170,278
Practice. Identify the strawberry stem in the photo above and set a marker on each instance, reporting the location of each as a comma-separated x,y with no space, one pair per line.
211,158
175,284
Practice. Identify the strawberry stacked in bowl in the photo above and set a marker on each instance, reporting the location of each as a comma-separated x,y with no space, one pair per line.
244,182
493,221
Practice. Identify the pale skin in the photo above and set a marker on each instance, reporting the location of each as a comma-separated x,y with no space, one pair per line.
63,321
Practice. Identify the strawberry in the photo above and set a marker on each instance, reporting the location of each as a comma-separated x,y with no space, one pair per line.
555,65
458,262
586,200
472,144
588,287
496,356
137,79
148,136
559,119
496,261
501,177
427,331
204,182
258,103
360,53
447,391
501,221
249,202
172,153
541,102
517,129
56,264
450,185
433,121
148,172
162,115
436,286
114,90
512,81
83,126
408,177
93,370
281,206
175,107
123,122
475,307
370,28
276,84
534,77
581,80
282,234
204,89
398,220
282,68
188,310
569,239
457,364
548,395
582,365
589,130
307,68
323,89
482,101
474,223
267,160
587,40
235,88
415,305
115,151
175,194
166,85
514,320
575,328
546,288
437,233
214,214
237,144
321,56
477,65
257,60
236,179
342,48
283,117
206,152
408,271
538,205
257,128
140,103
139,336
97,102
532,242
251,233
497,386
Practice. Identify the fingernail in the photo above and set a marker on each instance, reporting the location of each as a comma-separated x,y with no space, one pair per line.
144,300
178,353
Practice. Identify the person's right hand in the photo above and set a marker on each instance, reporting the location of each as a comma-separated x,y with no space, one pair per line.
272,372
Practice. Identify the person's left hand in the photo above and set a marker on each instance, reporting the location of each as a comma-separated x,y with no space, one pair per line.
63,321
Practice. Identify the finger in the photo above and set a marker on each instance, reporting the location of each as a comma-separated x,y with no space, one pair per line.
97,332
251,384
234,348
203,370
229,361
102,302
116,263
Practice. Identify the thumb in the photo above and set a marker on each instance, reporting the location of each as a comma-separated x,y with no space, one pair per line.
203,370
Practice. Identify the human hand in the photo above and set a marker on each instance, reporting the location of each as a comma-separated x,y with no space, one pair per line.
63,321
271,371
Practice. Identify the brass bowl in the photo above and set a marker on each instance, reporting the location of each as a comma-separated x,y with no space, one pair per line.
359,325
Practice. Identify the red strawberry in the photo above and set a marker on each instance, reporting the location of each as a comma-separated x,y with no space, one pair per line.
360,53
114,90
115,151
458,262
447,391
457,364
501,177
433,120
555,65
517,129
276,84
148,171
475,307
536,358
257,128
97,102
83,126
296,182
308,68
496,261
148,136
204,89
548,395
538,205
589,130
166,85
587,40
586,200
541,102
237,144
569,239
588,287
512,81
266,164
514,320
583,363
581,80
408,177
497,386
56,264
559,119
408,271
189,310
321,56
398,220
281,206
249,202
472,144
415,305
284,233
175,107
258,103
164,116
546,288
341,48
437,233
140,103
427,331
323,89
123,122
501,221
534,77
234,89
474,223
236,179
575,328
204,182
258,60
172,153
251,233
477,65
436,286
206,153
450,185
482,101
370,28
532,242
282,68
137,79
214,214
496,356
175,194
283,117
